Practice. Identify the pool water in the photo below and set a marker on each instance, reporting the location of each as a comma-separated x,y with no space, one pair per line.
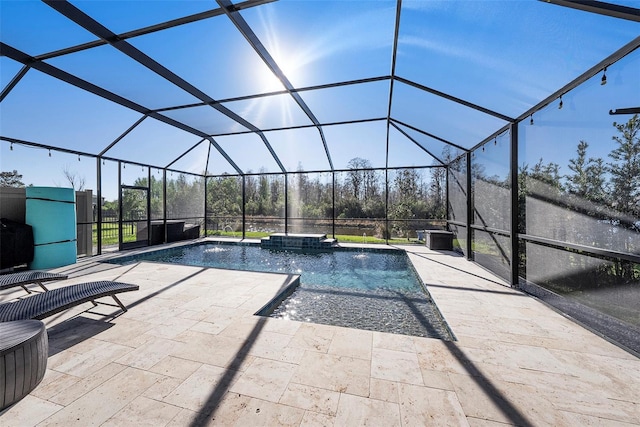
374,290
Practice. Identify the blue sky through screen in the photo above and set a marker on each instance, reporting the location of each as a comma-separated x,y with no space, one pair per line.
506,56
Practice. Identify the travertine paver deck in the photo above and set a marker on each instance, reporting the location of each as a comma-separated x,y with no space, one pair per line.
190,352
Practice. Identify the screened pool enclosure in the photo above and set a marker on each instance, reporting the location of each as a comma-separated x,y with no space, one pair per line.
516,125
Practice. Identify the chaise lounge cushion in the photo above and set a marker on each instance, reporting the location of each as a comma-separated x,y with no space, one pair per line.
54,301
24,278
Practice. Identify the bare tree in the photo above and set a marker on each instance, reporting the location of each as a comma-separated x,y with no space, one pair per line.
357,177
76,181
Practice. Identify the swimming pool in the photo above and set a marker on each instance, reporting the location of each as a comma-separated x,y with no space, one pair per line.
365,289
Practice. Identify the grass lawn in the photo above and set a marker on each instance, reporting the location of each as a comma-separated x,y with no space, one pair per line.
110,233
344,238
110,236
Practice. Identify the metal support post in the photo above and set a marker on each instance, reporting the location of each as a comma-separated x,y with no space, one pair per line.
244,210
99,204
515,207
469,209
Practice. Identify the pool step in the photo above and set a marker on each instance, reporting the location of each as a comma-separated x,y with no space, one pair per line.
297,241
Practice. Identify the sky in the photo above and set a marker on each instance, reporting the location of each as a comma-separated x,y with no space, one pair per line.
505,56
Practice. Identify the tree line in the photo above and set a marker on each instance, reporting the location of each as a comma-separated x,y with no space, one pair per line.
360,193
596,203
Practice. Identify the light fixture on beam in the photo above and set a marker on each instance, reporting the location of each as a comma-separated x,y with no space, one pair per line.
603,80
560,104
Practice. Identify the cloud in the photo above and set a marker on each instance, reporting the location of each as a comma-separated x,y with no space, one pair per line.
452,50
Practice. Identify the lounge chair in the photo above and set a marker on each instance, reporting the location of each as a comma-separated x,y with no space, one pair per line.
24,278
45,304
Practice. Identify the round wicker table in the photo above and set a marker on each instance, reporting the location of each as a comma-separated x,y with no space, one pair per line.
24,348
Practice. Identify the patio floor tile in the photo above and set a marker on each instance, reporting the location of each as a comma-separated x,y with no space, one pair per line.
143,412
265,379
337,373
422,406
104,401
311,398
360,411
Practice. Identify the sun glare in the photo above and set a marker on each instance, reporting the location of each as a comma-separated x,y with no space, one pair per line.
289,67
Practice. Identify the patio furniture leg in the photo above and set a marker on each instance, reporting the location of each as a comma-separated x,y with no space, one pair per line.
39,283
119,303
